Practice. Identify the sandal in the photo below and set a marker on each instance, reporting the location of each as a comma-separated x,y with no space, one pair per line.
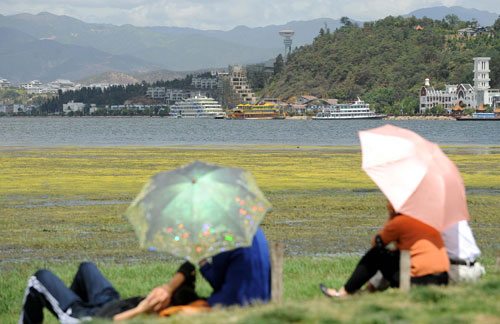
324,290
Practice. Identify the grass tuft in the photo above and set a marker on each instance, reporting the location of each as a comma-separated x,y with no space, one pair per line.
426,295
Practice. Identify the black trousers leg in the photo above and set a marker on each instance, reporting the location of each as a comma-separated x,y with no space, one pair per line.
432,279
93,288
377,258
45,289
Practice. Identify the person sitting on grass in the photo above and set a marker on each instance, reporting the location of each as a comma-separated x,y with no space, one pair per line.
463,253
238,277
429,262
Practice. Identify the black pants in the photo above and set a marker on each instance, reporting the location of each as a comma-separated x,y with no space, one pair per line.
89,291
183,295
387,262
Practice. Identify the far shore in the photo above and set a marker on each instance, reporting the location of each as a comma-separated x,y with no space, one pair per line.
419,118
287,117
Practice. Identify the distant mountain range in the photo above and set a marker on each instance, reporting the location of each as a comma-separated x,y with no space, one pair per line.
136,48
24,58
46,46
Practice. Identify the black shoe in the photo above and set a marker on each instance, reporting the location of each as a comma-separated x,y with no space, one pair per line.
324,290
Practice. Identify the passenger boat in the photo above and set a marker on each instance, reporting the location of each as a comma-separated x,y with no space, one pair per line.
479,117
357,110
197,107
248,111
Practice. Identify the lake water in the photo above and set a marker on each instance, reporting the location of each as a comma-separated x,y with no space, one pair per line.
108,131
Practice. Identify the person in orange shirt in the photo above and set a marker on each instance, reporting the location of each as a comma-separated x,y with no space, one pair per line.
429,261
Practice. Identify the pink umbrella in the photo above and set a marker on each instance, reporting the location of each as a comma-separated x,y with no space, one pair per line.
415,175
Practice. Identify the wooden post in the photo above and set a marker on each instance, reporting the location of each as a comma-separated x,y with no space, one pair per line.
276,250
404,270
498,262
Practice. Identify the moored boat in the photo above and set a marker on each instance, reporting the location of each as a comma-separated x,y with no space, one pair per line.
357,110
479,117
248,111
198,107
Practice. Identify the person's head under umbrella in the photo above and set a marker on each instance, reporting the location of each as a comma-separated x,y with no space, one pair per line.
206,214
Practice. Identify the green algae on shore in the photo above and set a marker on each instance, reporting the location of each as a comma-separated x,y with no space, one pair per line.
57,201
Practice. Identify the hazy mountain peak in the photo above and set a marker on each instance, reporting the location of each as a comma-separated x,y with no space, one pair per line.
483,17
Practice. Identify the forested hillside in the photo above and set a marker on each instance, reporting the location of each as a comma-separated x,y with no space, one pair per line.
385,62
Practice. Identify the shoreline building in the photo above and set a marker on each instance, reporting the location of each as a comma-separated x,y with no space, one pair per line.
462,94
4,83
239,83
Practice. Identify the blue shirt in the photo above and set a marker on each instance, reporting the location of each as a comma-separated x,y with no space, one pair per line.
240,276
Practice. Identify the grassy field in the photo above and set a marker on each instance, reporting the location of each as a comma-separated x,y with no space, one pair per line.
63,205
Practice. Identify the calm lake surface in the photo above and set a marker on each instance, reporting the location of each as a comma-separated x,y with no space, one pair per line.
165,132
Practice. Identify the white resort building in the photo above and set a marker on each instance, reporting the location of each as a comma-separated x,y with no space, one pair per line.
4,83
239,84
462,94
205,83
73,106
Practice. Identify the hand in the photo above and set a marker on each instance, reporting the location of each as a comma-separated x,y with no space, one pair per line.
159,298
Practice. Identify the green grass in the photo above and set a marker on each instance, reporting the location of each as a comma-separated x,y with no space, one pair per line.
303,302
63,205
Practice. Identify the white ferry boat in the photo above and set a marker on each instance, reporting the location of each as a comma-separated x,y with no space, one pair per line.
197,107
357,110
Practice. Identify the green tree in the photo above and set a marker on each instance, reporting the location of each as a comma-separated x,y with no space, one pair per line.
381,98
469,111
452,20
346,21
438,110
278,64
496,27
409,105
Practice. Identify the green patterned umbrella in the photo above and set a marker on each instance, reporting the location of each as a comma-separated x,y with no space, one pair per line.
198,210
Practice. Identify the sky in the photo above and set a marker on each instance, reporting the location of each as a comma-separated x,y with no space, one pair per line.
227,14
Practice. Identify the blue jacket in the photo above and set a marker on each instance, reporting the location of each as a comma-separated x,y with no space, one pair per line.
240,276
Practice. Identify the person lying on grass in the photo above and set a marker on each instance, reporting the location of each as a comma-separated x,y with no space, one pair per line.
89,292
429,262
238,277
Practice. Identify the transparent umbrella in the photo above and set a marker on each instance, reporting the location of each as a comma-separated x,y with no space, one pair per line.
198,210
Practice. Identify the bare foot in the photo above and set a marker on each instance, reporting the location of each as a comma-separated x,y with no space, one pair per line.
337,293
330,292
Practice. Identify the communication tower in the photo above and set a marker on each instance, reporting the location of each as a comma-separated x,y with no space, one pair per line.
287,35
